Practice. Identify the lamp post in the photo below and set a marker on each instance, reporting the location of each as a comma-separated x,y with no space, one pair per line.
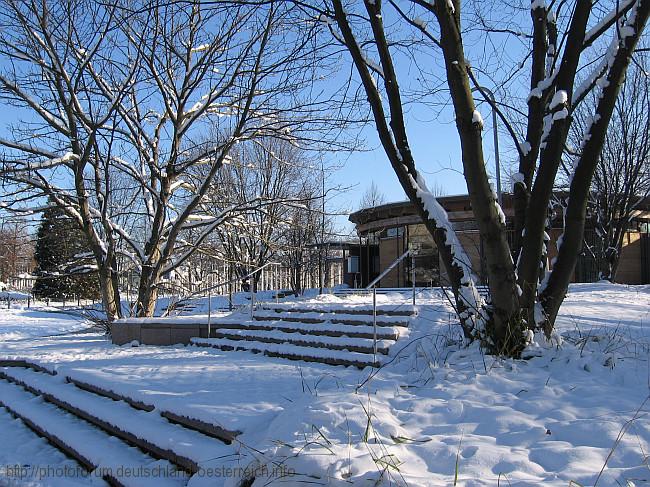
496,140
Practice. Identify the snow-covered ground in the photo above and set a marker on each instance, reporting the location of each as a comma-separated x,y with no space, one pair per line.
20,322
436,414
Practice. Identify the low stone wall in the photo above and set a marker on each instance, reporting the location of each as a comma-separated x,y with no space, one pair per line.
156,333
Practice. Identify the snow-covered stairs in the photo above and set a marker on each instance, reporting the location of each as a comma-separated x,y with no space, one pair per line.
130,442
312,332
183,308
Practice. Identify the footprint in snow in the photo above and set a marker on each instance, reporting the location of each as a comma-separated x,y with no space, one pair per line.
469,452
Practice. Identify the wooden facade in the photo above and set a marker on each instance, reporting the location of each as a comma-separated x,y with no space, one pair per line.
389,229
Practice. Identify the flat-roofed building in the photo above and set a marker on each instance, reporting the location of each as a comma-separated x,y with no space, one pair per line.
386,232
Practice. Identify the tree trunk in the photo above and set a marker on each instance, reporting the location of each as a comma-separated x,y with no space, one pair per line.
542,33
297,280
550,158
552,297
110,294
504,330
147,293
394,139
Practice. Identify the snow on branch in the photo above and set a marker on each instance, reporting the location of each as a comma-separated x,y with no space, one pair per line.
468,291
331,24
609,20
52,120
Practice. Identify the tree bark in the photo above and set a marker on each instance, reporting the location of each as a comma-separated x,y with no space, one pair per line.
553,295
147,292
110,294
505,330
550,157
394,139
536,103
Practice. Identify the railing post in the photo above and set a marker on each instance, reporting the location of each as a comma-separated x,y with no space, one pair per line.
252,302
374,323
209,310
413,276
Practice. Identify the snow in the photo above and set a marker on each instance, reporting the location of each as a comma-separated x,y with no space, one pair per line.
349,330
20,322
547,124
468,293
502,215
201,48
83,438
332,25
573,407
517,178
477,118
561,114
285,349
421,23
559,98
340,317
348,305
140,424
593,33
542,86
26,445
627,31
342,341
373,65
13,295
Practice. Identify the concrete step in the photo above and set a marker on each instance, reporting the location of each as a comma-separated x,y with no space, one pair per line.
283,293
319,329
190,422
359,345
343,293
362,309
292,352
183,308
315,317
149,431
119,464
26,364
208,429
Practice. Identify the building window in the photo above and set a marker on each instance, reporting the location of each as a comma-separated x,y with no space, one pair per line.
353,264
394,232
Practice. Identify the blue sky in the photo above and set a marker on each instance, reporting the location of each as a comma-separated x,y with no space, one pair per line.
433,139
436,147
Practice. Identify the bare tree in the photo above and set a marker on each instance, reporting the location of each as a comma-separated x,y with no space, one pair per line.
117,106
50,75
372,197
303,228
622,175
264,184
523,295
16,248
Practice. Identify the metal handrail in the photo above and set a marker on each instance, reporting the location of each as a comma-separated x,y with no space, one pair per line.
211,288
373,286
233,280
388,269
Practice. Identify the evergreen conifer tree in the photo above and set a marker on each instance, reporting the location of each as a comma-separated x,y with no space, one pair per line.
62,258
